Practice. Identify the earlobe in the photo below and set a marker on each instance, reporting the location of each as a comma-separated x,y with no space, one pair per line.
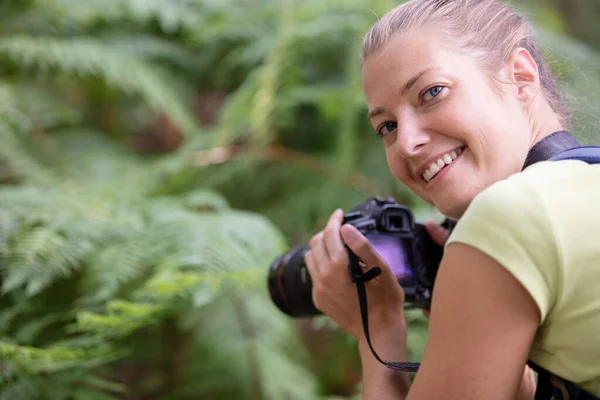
525,75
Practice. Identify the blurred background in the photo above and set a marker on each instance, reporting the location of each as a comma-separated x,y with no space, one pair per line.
157,155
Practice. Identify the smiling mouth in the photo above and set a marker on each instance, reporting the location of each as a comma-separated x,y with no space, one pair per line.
438,165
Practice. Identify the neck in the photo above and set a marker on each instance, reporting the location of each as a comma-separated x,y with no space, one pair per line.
543,131
548,134
546,124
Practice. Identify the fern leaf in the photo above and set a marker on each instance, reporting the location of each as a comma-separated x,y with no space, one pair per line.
65,385
27,108
171,14
151,48
33,360
41,256
20,160
262,113
88,57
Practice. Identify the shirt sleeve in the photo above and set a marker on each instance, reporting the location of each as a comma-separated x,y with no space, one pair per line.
509,222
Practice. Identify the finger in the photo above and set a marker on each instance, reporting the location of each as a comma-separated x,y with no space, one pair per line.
426,313
313,271
438,233
333,240
360,246
320,255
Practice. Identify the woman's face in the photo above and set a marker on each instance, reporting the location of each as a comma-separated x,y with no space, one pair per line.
448,133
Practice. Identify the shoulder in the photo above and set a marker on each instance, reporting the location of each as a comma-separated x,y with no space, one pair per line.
511,222
524,195
515,200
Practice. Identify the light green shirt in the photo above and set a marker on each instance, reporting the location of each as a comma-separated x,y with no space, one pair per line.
543,226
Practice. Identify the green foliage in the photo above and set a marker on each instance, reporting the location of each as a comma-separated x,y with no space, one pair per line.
131,261
125,274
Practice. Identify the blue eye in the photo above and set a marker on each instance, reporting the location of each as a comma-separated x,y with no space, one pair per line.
386,128
433,92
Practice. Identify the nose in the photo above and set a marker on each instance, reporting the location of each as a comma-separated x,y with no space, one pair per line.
411,137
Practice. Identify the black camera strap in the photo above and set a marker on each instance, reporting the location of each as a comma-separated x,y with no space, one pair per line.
548,147
360,278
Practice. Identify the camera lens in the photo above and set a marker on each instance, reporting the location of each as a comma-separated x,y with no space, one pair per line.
290,285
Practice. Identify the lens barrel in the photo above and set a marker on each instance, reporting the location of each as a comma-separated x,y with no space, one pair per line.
290,284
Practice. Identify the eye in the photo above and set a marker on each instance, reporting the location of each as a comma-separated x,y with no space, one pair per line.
433,92
386,128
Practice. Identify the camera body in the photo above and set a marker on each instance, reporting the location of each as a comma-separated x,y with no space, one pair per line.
392,231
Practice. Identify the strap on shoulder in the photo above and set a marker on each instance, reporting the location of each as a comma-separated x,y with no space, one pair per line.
550,146
588,154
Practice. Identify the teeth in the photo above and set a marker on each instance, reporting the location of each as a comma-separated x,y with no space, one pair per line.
440,163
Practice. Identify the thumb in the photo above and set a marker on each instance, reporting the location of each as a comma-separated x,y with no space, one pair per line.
360,245
438,233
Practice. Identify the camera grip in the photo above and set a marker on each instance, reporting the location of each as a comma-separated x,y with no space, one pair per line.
428,256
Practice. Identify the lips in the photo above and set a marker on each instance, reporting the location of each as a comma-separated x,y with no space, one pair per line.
437,164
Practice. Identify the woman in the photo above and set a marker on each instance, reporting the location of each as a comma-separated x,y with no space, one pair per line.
459,94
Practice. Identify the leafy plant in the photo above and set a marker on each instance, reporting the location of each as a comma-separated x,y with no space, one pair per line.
156,156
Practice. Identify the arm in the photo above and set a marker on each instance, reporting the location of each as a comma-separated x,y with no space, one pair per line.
440,235
482,325
335,295
380,382
482,321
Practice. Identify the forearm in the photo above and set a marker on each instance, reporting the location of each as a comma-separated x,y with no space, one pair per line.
379,381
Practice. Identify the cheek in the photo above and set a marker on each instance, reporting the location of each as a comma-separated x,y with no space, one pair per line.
398,166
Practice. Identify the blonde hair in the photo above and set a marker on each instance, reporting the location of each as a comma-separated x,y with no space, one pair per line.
488,29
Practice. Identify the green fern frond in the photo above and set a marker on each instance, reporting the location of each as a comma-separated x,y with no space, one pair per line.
148,47
73,384
203,200
253,346
18,157
261,124
235,115
347,143
171,15
88,57
122,318
39,257
29,108
129,256
30,332
33,360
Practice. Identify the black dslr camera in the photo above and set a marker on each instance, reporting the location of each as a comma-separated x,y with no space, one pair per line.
390,228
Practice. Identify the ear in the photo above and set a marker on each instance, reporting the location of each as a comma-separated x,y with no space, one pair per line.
524,74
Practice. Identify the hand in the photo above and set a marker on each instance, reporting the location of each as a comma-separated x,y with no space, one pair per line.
528,385
335,294
438,233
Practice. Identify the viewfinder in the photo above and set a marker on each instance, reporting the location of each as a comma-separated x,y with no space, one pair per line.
396,221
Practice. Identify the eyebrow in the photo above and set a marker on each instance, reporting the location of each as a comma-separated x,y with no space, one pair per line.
406,88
